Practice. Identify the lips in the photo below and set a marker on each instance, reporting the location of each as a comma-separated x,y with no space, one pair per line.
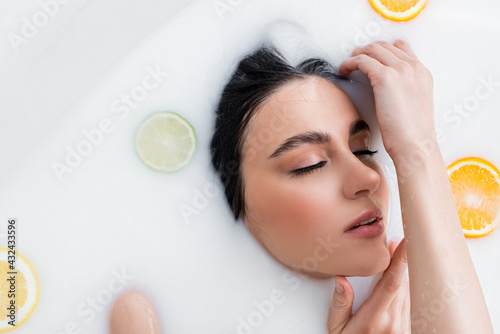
374,212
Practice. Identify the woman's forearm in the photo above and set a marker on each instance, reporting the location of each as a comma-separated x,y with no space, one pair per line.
445,293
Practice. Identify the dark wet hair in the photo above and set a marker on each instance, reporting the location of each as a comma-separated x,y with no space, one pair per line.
257,76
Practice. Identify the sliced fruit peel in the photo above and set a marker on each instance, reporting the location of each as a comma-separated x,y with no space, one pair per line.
27,290
475,184
165,142
398,10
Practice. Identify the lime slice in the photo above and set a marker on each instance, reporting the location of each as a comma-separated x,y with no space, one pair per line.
165,142
24,295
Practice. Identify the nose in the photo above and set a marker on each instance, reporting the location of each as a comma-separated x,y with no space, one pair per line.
359,178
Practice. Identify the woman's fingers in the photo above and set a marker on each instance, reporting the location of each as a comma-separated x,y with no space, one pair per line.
371,58
397,303
397,52
405,310
366,64
390,283
382,311
402,45
341,309
392,247
396,307
381,52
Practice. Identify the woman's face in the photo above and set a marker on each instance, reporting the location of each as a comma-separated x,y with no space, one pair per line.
301,219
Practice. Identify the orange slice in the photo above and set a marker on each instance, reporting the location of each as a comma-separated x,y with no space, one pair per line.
398,10
475,183
19,291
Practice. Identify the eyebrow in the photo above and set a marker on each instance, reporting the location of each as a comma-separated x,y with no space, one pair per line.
315,137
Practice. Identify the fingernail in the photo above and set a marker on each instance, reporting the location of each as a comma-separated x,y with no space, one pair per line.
395,238
338,287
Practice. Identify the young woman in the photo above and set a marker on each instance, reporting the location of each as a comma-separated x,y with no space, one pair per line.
295,160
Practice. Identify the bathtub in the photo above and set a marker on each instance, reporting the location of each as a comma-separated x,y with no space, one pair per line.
95,222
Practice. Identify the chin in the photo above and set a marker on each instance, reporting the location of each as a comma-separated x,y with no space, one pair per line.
377,266
369,266
362,268
373,270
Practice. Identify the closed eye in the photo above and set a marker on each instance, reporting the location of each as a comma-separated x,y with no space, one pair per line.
308,169
312,168
365,152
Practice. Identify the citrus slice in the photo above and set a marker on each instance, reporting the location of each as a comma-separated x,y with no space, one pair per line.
398,10
475,184
26,290
165,142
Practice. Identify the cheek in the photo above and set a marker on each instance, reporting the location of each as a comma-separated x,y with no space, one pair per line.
295,212
310,204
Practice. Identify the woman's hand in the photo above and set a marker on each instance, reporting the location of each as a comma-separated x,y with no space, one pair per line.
387,310
402,88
